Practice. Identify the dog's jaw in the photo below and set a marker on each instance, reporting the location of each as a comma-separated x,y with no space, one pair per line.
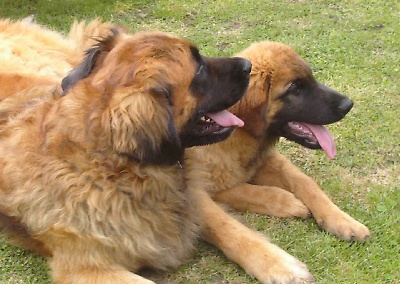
311,135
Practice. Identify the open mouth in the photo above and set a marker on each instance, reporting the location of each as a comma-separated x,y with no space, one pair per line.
212,128
312,136
217,123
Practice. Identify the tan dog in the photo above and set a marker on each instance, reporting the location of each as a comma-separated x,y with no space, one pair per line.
92,176
247,172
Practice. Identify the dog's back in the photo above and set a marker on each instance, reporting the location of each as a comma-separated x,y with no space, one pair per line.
33,55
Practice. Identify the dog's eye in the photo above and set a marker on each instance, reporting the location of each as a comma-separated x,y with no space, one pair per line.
164,92
293,88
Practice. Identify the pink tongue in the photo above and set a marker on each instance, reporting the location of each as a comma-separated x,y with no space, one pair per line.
324,138
226,119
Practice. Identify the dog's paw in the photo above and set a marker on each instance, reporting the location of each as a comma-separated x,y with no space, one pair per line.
291,207
280,203
289,273
280,267
344,226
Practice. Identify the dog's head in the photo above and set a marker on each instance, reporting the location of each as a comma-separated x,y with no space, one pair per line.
158,94
284,99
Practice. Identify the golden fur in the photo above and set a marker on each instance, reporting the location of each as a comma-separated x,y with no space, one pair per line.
247,173
89,207
32,55
79,179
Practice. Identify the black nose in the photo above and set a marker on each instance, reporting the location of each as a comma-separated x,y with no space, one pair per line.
345,106
246,66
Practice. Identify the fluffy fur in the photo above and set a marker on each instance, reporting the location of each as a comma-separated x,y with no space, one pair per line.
91,175
32,55
247,173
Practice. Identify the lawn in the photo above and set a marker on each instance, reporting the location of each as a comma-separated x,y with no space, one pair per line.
352,46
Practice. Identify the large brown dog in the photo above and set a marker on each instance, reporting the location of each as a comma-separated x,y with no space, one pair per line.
92,176
247,172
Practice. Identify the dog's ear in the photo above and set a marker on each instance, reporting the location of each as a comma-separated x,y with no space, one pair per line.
92,58
253,107
142,127
81,71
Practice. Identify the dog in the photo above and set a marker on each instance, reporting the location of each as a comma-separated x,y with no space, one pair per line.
91,175
247,173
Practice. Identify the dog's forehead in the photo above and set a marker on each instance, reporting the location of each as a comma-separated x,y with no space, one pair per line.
157,48
277,58
289,63
297,68
158,40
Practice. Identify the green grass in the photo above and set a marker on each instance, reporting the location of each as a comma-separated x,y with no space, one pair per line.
353,47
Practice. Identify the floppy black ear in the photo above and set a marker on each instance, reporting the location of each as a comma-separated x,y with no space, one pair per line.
92,56
82,70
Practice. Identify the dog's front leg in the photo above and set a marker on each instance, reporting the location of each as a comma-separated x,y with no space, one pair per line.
262,199
279,171
66,269
252,251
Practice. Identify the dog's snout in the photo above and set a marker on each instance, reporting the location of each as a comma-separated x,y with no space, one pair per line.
246,66
345,106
